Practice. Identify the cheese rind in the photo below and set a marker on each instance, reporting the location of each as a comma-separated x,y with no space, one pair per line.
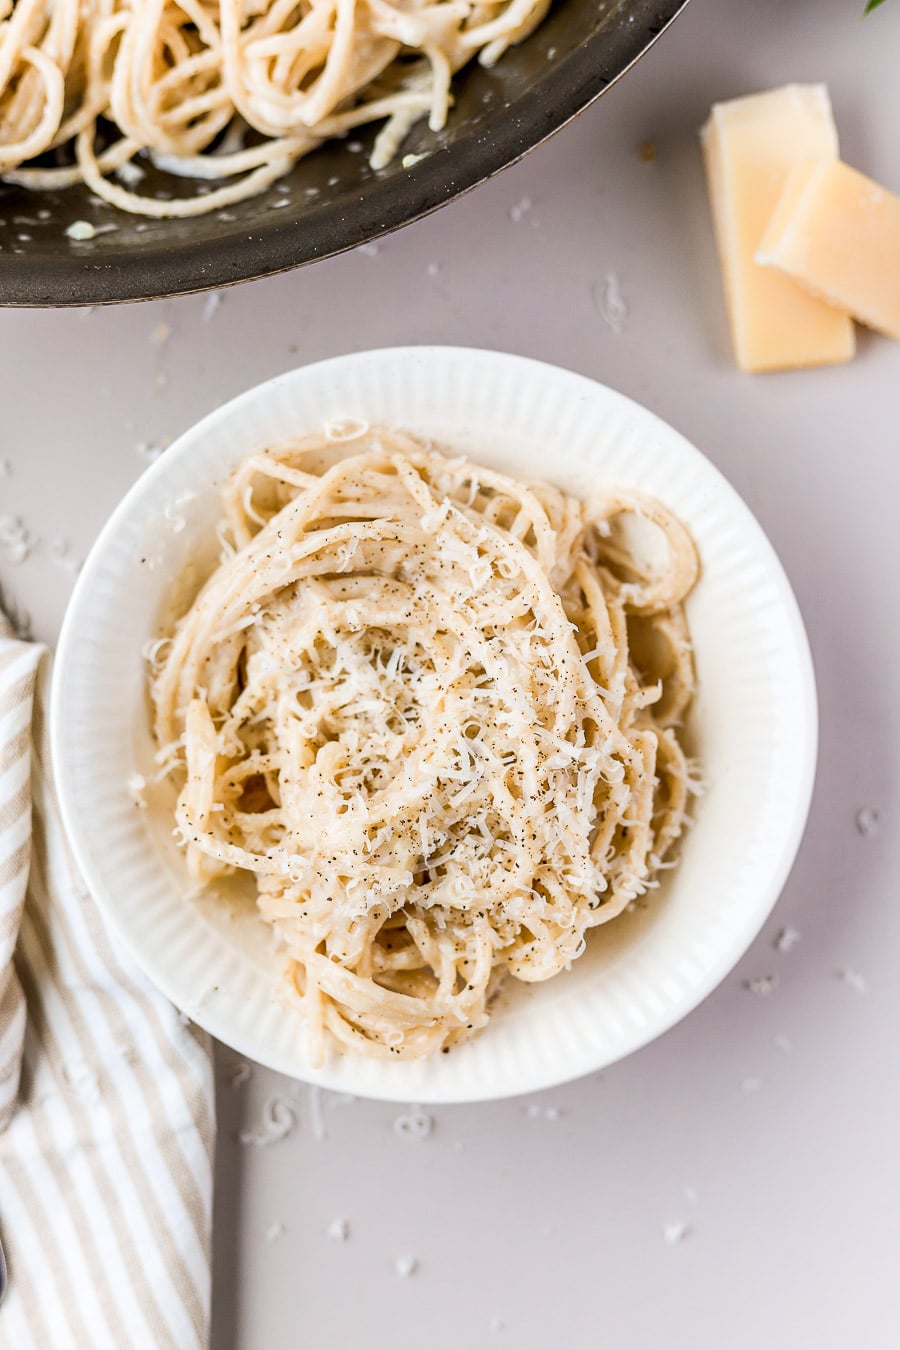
837,233
750,146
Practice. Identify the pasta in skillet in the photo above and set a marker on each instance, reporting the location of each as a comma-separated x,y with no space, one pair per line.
231,91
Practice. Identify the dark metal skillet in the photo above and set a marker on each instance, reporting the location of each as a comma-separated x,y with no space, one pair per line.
335,201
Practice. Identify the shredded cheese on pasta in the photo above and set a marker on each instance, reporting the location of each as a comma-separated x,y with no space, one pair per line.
232,91
434,710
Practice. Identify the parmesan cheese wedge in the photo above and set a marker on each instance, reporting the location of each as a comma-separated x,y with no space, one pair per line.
838,234
750,146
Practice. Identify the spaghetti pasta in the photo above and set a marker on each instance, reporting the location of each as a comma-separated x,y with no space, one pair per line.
231,91
435,711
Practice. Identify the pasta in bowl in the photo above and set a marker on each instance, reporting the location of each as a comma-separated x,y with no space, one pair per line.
455,486
405,702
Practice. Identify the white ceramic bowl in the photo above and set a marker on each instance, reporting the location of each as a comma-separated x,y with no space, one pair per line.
754,721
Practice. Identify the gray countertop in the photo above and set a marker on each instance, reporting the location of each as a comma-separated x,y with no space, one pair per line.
738,1181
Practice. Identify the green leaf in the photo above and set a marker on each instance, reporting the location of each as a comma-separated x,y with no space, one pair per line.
873,4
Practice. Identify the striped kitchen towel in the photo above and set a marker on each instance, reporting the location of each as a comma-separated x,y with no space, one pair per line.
106,1096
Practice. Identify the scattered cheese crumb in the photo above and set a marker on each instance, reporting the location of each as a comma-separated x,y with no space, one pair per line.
673,1233
80,229
867,821
611,303
534,1111
520,209
59,553
338,1230
173,512
239,1075
854,979
129,174
414,1124
345,429
161,334
15,540
137,784
761,985
786,940
317,1120
278,1120
408,161
405,1266
211,305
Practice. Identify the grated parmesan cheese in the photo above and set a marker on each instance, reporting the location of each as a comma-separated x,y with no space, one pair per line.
80,230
